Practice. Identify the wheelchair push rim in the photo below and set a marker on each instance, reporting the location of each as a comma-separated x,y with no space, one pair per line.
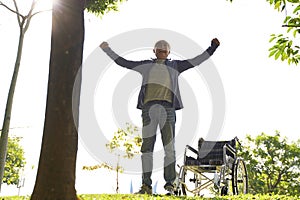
239,177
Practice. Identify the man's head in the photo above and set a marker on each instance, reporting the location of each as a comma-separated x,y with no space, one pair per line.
161,49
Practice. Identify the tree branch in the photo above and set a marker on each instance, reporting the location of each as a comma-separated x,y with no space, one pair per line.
29,15
40,12
11,10
277,181
294,26
18,14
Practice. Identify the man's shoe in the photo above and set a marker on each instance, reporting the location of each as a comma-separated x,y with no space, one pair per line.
145,189
170,188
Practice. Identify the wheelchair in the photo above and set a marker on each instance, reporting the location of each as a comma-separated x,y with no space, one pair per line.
215,166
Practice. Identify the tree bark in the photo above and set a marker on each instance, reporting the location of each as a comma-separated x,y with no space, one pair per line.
56,171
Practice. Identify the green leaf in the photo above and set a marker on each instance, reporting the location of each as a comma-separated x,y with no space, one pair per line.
272,39
289,29
287,19
296,9
277,5
295,33
293,1
277,55
283,56
272,53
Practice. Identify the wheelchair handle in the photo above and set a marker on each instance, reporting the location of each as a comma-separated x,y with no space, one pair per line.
237,139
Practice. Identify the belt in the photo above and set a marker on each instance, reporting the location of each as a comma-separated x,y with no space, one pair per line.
160,102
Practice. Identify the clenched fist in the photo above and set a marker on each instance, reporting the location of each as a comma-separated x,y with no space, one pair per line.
215,41
103,45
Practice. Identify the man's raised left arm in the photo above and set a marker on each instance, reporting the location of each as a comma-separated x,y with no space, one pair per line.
189,63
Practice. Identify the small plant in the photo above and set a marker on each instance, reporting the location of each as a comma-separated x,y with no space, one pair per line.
126,143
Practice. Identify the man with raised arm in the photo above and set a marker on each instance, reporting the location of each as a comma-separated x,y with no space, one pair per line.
159,98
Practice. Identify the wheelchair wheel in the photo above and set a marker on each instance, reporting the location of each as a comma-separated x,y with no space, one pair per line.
224,191
192,181
183,180
239,177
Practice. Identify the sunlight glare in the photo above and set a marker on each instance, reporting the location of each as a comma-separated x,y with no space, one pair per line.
44,4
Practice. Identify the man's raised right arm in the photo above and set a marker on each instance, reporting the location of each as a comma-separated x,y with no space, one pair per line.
118,59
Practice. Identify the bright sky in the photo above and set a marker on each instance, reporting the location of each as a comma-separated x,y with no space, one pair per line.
261,94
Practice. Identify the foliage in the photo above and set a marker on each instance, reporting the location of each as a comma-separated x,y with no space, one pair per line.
94,167
163,197
286,46
100,7
15,161
125,143
127,140
273,164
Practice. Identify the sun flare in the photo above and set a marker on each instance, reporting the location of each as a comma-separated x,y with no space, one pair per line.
44,4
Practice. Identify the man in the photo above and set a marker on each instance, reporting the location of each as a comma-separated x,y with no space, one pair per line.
158,99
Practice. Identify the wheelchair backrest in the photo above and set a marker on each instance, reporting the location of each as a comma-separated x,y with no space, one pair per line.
212,152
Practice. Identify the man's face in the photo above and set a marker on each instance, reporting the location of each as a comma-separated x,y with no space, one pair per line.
161,53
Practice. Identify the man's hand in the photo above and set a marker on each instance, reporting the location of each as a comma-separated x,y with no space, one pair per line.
103,45
215,41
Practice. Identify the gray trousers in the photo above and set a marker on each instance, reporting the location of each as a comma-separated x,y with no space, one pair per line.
164,116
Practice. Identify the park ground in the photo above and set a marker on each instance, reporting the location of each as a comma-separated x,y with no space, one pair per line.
163,197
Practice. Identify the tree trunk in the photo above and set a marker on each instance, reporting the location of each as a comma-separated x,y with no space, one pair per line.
8,109
56,171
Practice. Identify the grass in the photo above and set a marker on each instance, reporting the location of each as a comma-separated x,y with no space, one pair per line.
163,197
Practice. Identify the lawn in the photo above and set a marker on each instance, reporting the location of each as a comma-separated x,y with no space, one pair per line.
163,197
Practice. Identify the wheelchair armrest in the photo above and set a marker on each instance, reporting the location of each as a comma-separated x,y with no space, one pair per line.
188,147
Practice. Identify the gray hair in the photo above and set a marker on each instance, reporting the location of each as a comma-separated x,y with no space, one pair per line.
162,44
